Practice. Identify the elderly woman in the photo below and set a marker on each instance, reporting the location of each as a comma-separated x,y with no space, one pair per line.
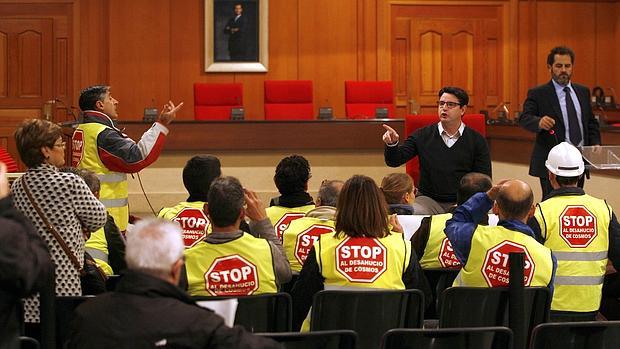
399,193
361,215
53,199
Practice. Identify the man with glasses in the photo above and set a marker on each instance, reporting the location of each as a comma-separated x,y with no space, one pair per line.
446,151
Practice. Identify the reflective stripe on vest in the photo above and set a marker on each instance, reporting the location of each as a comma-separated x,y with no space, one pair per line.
97,254
297,246
113,193
432,252
576,227
363,262
243,266
281,217
487,264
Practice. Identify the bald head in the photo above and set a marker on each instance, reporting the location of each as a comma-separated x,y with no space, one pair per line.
328,193
514,200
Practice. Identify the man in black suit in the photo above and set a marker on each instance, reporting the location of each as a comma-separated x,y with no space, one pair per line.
236,28
558,111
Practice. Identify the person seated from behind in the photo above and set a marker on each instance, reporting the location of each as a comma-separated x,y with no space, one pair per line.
316,222
361,221
148,310
399,193
229,262
105,245
198,174
430,242
291,179
512,200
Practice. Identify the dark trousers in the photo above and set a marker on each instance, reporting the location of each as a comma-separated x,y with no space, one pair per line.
545,185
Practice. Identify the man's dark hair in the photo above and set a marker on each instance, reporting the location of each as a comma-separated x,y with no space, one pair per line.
471,184
198,174
292,175
329,191
226,199
90,95
89,177
458,92
560,50
567,181
513,208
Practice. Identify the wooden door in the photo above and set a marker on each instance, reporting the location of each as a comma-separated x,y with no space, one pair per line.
436,46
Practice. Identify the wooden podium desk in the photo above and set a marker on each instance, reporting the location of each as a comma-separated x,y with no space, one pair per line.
337,134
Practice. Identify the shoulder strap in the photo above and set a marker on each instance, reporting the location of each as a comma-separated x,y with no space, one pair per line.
50,228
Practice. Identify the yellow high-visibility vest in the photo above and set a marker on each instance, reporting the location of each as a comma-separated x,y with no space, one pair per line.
438,252
281,216
192,219
300,236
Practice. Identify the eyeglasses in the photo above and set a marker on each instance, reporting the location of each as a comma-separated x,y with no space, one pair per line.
449,105
60,145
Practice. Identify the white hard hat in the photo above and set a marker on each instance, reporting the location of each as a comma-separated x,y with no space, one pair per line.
565,160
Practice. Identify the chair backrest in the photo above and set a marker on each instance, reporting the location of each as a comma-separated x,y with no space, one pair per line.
414,122
28,343
215,101
448,338
362,98
11,165
289,100
261,313
577,335
482,307
370,313
65,308
439,279
341,339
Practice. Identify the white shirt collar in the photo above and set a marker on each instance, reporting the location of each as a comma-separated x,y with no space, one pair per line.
442,130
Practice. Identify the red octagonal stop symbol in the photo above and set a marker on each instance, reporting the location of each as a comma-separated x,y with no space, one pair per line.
307,238
577,226
495,267
283,223
194,223
231,276
447,258
361,259
77,148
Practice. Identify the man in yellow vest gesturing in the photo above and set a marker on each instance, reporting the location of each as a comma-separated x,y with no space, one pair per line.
483,250
582,231
98,145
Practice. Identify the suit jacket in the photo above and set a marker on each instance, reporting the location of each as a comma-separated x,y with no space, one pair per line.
542,100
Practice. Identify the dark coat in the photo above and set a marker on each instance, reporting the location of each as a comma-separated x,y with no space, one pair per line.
146,310
25,265
542,100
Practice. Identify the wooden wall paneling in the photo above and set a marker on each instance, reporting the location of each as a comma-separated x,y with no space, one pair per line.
284,36
367,43
328,46
92,49
140,55
572,24
606,54
401,64
384,42
525,70
462,57
4,61
254,100
428,65
491,58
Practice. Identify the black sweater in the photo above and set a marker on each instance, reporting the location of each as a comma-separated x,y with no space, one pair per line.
441,168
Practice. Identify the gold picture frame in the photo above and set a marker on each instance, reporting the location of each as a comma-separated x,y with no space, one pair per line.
219,14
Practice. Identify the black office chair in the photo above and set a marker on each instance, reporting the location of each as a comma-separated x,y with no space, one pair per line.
449,338
111,282
370,313
261,313
65,307
28,343
577,335
342,339
484,307
439,279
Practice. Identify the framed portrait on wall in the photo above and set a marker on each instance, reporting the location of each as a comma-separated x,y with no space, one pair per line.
236,35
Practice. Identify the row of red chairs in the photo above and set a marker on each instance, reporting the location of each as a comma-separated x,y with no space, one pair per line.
291,99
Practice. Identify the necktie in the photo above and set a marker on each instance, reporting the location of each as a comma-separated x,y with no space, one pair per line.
574,131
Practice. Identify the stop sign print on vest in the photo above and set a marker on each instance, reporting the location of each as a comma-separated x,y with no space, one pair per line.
231,276
577,226
307,238
447,258
194,223
496,269
361,259
283,223
77,147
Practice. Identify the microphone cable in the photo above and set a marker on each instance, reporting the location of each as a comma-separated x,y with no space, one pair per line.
144,193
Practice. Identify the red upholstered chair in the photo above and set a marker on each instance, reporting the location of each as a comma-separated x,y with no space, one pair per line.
288,100
11,165
362,98
215,101
414,122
